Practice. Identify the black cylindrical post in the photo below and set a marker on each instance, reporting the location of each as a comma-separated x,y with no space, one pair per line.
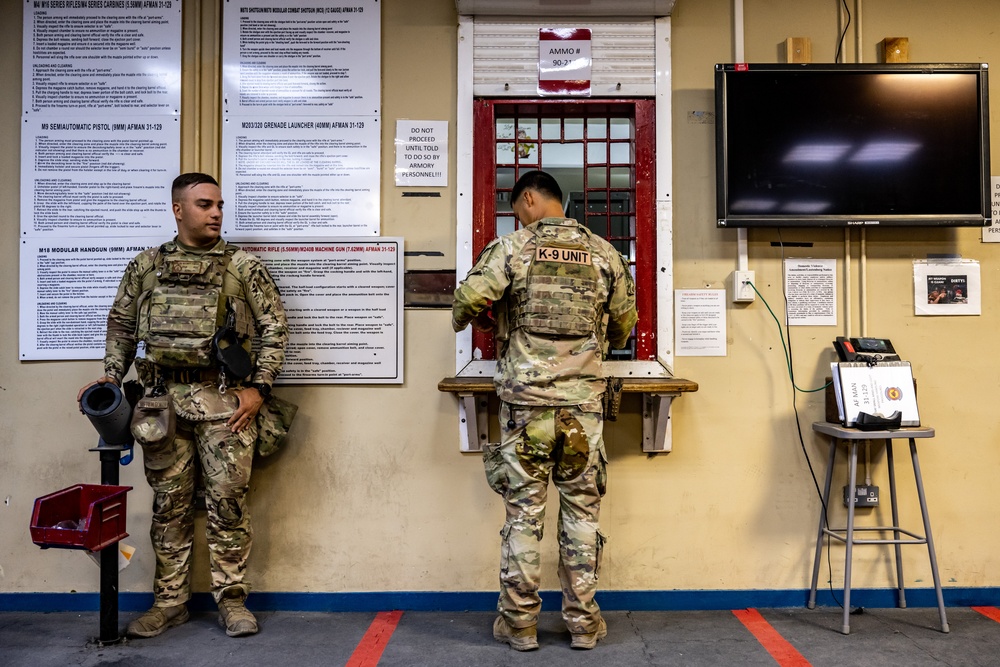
109,560
109,410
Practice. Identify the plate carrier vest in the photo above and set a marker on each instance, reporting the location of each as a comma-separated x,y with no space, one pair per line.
562,294
184,300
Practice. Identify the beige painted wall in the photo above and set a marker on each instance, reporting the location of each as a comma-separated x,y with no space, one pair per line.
373,495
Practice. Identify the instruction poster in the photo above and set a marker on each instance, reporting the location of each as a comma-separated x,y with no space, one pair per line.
343,299
102,56
301,133
67,288
301,177
301,57
98,177
344,302
100,131
100,145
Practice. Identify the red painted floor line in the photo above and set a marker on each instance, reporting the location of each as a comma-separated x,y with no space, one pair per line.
369,650
779,648
989,612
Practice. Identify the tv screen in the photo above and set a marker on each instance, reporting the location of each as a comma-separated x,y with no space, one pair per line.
841,145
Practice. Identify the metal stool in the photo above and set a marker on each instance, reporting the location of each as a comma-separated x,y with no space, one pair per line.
846,535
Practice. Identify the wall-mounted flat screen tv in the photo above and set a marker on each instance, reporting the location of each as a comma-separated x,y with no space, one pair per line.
841,145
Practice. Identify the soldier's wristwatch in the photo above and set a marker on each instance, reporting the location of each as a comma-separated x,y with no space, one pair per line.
263,389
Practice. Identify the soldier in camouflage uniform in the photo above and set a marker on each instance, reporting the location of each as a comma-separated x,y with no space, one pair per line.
173,299
554,293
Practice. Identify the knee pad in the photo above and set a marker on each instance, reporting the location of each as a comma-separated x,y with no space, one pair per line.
167,506
230,512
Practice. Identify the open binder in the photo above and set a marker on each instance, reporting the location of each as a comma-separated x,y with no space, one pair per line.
876,389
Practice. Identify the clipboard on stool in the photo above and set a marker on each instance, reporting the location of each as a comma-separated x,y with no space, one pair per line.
879,389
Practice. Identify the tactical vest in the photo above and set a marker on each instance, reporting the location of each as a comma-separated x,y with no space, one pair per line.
561,293
185,299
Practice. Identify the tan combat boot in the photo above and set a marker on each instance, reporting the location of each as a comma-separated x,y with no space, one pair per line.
588,640
234,616
157,620
520,639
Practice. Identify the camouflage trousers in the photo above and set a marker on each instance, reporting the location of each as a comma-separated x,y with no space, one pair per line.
225,461
567,443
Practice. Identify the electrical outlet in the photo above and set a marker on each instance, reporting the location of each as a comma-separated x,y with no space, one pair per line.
864,495
743,292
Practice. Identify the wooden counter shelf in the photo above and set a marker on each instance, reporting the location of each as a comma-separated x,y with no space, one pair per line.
657,395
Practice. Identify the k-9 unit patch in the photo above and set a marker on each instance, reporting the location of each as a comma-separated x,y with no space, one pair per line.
563,255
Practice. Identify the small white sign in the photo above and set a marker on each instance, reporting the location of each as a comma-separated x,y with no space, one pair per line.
700,322
991,234
422,153
811,287
564,61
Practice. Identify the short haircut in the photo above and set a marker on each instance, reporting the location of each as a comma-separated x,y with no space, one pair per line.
190,179
538,181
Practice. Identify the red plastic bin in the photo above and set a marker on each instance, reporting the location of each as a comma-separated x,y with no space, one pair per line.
93,517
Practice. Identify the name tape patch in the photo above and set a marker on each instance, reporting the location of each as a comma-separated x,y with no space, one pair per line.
563,255
187,267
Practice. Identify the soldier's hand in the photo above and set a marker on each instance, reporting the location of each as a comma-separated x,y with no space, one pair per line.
485,321
103,380
250,402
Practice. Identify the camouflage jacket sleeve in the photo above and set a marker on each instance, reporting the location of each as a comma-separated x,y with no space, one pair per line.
120,341
269,317
487,281
622,314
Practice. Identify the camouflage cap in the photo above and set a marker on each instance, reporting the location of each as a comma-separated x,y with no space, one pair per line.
273,421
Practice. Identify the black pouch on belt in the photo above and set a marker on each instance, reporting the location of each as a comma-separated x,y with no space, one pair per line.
228,351
613,398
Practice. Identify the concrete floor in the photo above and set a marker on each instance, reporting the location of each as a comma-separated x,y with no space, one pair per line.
463,639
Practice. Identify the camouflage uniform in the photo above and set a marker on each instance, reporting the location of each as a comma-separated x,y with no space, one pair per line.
550,383
202,412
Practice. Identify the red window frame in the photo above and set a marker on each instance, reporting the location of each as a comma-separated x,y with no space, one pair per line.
484,189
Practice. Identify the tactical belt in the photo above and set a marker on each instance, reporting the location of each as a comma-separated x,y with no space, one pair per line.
188,375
